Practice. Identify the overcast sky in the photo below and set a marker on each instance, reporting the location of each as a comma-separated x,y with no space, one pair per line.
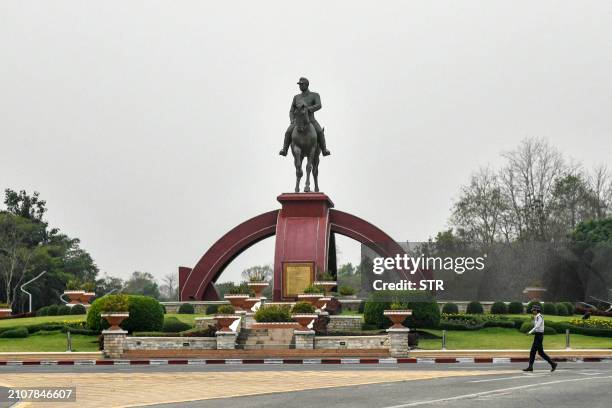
151,128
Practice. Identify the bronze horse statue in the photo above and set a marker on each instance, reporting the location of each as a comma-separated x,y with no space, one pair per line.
304,146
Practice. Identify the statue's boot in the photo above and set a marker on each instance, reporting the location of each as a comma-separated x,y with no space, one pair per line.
322,144
286,143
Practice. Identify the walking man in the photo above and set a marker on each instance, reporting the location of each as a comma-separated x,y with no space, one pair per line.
538,331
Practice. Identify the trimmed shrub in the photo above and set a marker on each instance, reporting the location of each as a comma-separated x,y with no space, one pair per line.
226,309
474,307
78,310
303,307
43,311
146,314
450,308
207,332
499,308
525,327
549,308
174,325
186,308
346,290
571,309
314,289
533,302
116,303
516,308
17,333
52,310
212,309
425,311
562,309
273,313
63,310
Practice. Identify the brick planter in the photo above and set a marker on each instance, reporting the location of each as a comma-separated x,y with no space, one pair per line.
258,287
326,285
74,296
236,300
224,321
86,297
397,317
114,342
5,312
322,302
534,292
115,319
304,319
248,303
311,298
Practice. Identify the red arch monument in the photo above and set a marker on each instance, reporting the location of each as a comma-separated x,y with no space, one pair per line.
304,227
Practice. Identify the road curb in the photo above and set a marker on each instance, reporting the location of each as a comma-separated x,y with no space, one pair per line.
368,360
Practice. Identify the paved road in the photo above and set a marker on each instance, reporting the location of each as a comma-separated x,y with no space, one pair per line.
574,384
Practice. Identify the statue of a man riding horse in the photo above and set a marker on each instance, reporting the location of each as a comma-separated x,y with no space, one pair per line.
305,135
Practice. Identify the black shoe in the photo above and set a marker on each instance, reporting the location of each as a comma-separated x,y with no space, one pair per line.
553,367
528,369
325,152
283,152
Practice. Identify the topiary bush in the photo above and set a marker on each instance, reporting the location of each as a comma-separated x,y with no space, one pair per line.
313,289
346,290
186,308
526,326
549,308
532,303
474,307
516,308
499,308
52,310
17,333
211,309
562,309
43,311
78,310
146,313
63,310
273,313
425,311
174,325
226,309
450,308
571,309
302,307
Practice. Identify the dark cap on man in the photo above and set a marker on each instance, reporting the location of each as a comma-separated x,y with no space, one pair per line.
303,80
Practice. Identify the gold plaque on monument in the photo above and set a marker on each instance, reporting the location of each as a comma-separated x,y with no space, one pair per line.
297,276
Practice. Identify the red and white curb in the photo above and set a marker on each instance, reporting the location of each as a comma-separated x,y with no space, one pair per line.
436,360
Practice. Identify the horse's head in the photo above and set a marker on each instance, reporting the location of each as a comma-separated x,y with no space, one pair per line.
302,120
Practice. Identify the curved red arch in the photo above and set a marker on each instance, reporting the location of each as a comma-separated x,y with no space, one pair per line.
198,282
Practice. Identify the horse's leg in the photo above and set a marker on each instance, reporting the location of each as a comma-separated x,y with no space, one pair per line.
315,171
297,157
308,171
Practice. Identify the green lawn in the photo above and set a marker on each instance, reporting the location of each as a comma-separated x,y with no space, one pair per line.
41,319
499,338
187,318
49,341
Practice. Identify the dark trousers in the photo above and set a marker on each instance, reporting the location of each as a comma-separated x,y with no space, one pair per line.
539,348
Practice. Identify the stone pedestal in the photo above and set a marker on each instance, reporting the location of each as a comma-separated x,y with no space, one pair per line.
398,342
114,341
226,340
304,339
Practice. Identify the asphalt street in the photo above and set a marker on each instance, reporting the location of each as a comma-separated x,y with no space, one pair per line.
573,384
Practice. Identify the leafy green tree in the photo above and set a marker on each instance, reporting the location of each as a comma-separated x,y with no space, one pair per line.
142,283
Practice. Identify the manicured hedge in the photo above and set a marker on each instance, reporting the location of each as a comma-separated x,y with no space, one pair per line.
52,310
186,308
17,333
474,307
499,308
174,325
63,310
549,309
450,308
78,310
515,308
562,309
425,311
146,314
570,307
273,313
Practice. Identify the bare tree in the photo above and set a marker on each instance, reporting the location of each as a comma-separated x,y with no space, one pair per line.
600,182
169,288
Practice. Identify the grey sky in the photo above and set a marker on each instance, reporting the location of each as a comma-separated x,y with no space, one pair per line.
151,128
